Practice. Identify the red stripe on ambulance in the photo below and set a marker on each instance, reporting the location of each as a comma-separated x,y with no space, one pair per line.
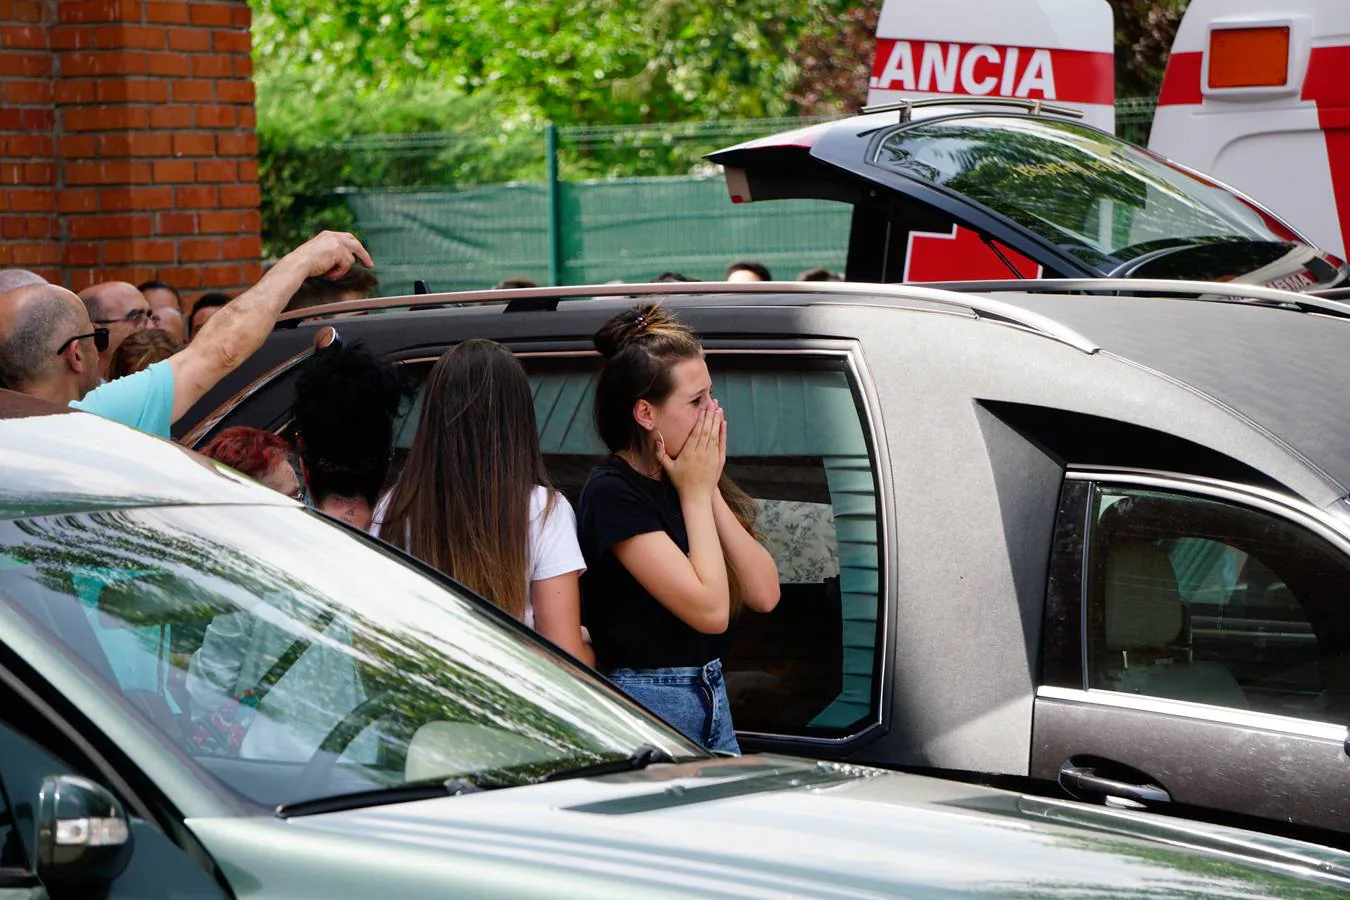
983,70
1328,85
1181,81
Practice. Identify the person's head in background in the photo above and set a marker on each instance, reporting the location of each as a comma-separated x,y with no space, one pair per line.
167,307
748,270
140,351
206,306
819,273
515,281
261,455
171,321
12,279
671,278
346,402
119,307
358,284
160,295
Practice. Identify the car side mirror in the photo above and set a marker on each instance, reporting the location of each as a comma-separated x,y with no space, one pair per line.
83,835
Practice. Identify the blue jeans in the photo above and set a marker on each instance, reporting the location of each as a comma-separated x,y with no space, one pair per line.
693,699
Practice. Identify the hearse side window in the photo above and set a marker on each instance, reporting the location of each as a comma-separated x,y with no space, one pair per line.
1192,598
798,446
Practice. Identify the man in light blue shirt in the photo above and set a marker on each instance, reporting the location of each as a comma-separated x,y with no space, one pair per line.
143,400
49,348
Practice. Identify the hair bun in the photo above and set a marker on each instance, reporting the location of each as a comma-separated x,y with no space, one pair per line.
633,325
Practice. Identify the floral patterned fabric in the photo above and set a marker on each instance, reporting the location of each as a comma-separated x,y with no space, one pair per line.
802,539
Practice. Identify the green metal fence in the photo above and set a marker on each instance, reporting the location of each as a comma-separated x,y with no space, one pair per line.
602,213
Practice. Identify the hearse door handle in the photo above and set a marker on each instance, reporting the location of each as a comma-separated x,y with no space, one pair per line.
1085,779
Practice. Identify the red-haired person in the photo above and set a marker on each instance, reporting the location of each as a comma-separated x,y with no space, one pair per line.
261,455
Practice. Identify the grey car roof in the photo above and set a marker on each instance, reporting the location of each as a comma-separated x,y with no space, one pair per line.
1287,372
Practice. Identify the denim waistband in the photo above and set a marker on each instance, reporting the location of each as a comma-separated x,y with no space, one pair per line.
709,672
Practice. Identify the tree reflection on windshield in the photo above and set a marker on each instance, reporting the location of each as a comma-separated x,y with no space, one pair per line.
1100,199
188,612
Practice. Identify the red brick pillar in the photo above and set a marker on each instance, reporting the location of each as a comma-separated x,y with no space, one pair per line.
154,165
28,172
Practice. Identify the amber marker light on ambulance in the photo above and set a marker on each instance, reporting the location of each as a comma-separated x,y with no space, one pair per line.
1249,57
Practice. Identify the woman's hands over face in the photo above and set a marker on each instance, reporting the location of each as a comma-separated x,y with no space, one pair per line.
699,466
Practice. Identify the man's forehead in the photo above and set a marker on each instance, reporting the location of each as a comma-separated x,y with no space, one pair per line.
121,294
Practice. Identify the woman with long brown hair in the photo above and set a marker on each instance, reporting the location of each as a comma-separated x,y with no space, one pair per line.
668,540
474,498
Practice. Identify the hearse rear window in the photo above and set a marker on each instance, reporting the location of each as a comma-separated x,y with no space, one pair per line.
1098,198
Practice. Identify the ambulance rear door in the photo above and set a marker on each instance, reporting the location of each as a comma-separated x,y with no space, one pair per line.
1257,95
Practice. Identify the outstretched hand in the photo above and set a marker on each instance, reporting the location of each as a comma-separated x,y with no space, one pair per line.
330,254
699,465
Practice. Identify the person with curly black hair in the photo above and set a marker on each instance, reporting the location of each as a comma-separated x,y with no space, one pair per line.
346,402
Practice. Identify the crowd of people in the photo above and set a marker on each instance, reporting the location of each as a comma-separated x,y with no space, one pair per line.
642,581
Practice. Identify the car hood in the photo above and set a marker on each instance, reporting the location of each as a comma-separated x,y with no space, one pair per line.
756,827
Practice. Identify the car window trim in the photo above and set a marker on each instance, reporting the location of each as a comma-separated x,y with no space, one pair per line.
851,353
1290,507
196,437
1203,712
1063,659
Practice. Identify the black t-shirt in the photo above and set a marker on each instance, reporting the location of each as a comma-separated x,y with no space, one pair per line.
629,627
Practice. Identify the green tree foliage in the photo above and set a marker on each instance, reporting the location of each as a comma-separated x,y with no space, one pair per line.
337,78
1144,33
576,62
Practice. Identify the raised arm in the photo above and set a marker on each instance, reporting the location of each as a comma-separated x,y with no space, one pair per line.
693,587
240,327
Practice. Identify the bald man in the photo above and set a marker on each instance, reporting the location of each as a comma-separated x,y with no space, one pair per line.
11,279
122,309
50,349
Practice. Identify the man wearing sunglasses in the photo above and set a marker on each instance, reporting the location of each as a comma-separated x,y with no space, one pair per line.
50,348
122,309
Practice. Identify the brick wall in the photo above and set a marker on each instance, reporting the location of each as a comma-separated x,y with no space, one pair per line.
128,147
29,229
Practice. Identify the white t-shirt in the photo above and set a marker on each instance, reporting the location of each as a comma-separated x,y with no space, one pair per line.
553,548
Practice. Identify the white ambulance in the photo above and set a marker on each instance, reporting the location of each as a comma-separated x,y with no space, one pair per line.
1257,94
986,152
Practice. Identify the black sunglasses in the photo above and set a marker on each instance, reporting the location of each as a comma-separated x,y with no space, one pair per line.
100,336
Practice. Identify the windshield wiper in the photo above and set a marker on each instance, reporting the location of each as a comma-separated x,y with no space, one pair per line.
641,757
402,793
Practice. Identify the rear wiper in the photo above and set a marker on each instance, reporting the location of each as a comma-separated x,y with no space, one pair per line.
402,793
641,757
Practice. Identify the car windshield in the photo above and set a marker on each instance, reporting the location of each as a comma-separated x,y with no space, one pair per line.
294,661
1098,198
